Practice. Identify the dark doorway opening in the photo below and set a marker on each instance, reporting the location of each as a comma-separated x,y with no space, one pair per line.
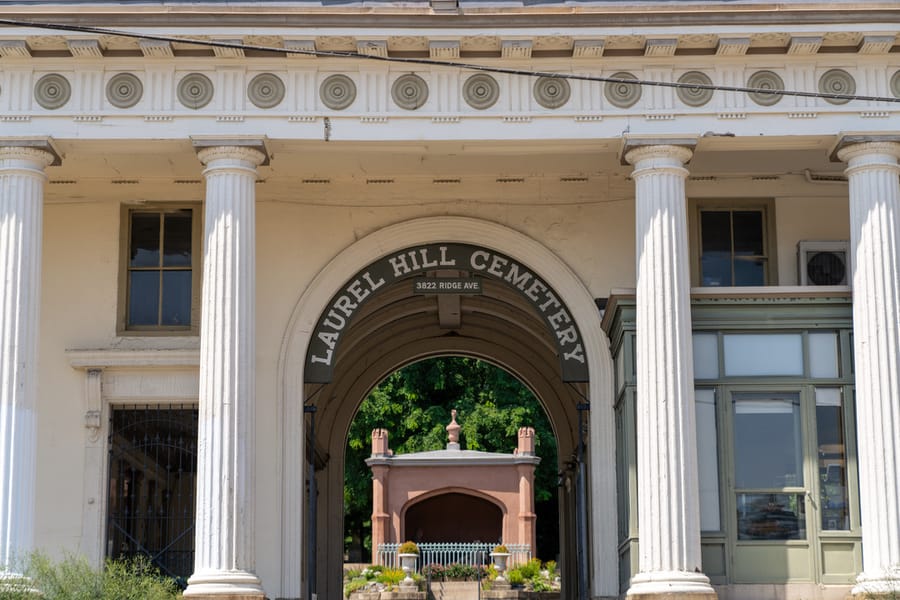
454,517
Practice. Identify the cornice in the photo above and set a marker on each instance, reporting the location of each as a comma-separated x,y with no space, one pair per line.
507,34
453,13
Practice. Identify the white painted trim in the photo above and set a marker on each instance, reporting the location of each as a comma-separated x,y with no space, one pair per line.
111,358
551,268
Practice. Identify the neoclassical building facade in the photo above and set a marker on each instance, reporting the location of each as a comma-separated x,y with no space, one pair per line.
222,224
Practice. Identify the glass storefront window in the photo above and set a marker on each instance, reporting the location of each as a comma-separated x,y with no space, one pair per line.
823,355
706,355
707,459
771,516
756,354
832,459
768,450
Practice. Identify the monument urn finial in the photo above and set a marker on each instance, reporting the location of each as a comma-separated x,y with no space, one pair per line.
453,432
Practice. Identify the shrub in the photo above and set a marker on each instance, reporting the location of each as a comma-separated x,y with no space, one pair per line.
390,576
408,548
501,549
461,572
539,585
550,565
531,569
136,579
354,585
74,578
515,577
433,571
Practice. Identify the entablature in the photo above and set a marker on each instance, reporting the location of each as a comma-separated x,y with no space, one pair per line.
459,41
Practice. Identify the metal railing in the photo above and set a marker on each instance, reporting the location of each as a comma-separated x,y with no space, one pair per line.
474,553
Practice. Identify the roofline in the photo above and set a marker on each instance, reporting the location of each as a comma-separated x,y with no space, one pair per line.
579,15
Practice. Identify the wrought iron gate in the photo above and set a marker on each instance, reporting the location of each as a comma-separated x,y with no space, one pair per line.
152,482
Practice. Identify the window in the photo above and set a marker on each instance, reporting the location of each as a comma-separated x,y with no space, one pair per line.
733,245
707,458
152,480
768,462
832,453
161,277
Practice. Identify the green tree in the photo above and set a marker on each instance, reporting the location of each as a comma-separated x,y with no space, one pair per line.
414,405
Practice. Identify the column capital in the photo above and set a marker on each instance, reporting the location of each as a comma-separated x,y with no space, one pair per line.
251,150
635,148
849,146
39,150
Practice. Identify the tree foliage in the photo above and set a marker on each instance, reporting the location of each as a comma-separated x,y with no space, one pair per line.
414,405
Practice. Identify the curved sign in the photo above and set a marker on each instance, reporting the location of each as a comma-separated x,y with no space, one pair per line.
415,262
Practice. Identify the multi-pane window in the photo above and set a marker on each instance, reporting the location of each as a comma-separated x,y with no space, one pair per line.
160,269
775,435
733,247
151,487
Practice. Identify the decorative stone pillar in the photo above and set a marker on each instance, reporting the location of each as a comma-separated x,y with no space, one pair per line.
527,516
22,178
380,465
224,552
669,503
875,248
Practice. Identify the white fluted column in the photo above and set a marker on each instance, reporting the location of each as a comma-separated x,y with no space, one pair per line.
669,500
22,180
224,560
875,241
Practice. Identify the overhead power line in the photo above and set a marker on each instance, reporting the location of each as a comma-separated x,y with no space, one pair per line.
439,63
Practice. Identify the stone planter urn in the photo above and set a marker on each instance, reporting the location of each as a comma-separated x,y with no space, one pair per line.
500,559
408,564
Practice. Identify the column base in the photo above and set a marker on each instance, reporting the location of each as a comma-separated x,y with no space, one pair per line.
878,586
674,585
230,585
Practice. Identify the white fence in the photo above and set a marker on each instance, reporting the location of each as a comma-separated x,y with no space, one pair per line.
448,553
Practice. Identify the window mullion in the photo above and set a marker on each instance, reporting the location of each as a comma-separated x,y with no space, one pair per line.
731,246
162,247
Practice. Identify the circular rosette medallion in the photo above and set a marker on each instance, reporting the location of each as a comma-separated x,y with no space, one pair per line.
409,92
337,92
837,81
694,96
266,90
765,80
481,91
895,84
551,92
124,90
195,90
620,93
52,91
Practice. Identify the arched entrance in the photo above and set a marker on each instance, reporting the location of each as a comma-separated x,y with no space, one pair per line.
453,517
396,325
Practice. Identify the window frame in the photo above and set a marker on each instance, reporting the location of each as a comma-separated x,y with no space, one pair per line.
765,205
123,328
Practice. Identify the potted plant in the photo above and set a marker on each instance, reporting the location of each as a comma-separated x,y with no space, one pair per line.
408,553
499,556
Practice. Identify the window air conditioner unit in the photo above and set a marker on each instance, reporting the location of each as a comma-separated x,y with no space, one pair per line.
824,263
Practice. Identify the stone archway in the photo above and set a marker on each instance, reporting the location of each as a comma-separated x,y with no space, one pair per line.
496,343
